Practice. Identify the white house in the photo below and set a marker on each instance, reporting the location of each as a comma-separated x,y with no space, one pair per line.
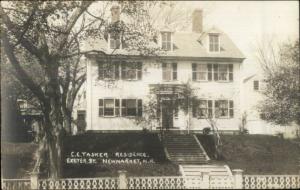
119,86
251,97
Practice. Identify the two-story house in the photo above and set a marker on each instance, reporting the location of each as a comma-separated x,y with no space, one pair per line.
118,88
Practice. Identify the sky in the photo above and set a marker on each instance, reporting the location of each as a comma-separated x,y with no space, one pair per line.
249,23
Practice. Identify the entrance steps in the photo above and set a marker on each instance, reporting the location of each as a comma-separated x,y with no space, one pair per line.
184,149
197,170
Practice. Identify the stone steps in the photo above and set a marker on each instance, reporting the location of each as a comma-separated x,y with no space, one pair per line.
184,149
197,170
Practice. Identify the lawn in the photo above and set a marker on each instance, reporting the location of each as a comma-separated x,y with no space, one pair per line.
17,159
112,143
256,154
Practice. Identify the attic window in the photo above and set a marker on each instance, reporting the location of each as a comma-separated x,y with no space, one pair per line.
115,41
214,43
166,40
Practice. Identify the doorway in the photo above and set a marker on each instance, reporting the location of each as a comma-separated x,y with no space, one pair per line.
167,114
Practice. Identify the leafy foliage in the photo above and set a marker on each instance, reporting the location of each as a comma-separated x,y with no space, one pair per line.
282,105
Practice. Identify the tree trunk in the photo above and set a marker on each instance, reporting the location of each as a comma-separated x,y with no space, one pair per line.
55,151
67,119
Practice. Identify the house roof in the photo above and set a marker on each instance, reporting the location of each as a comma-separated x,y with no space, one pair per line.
185,44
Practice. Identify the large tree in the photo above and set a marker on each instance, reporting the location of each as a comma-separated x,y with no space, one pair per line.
48,35
282,75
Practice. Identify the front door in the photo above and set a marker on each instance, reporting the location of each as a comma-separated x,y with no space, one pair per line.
167,114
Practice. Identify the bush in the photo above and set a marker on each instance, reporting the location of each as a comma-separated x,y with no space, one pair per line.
206,131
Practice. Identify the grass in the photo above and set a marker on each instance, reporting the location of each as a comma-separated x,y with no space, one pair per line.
114,142
256,154
17,159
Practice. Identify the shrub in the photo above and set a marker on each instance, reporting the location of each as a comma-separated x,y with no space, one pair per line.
206,131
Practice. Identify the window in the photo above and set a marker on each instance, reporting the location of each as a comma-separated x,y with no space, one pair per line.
115,41
169,71
108,71
201,72
109,107
111,71
205,72
131,70
205,108
214,45
202,109
166,41
224,108
223,72
256,85
132,107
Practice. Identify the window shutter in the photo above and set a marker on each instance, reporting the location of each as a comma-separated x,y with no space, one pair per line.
139,70
209,74
117,107
216,72
174,66
230,66
231,109
140,108
217,111
164,67
117,71
123,70
124,107
210,108
101,107
195,108
194,74
100,70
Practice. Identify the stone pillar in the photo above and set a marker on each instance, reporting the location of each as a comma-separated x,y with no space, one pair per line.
122,179
238,178
34,184
205,179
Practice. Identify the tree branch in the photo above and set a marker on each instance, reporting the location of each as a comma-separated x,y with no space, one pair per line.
23,41
77,13
21,73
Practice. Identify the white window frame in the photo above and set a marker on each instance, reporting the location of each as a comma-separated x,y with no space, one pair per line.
106,99
114,107
214,43
171,70
166,41
227,73
109,42
126,70
199,72
136,108
228,116
113,71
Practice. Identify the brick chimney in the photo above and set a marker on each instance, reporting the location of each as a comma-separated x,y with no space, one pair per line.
115,13
197,21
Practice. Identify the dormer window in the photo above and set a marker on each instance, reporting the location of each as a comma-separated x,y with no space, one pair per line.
115,41
214,43
166,41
